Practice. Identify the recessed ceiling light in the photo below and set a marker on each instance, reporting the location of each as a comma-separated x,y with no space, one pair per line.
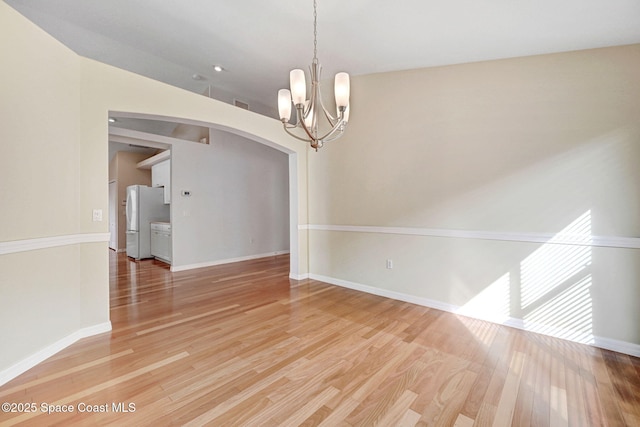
197,77
112,120
217,68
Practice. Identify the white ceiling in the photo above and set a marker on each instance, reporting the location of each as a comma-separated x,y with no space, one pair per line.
259,41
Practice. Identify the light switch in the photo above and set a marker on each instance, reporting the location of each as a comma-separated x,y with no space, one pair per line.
97,215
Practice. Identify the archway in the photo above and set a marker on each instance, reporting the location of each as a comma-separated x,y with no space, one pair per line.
292,168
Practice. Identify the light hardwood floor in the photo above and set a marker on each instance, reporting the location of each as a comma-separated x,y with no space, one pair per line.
242,345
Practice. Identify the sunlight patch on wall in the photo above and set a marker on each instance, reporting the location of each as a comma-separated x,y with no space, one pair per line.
555,262
568,315
492,304
555,282
549,291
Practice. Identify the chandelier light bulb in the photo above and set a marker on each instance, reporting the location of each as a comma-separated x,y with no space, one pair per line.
284,104
298,86
342,89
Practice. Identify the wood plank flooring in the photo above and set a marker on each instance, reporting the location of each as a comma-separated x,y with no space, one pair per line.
242,345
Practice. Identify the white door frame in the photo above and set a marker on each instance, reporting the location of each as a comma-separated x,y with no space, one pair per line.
113,215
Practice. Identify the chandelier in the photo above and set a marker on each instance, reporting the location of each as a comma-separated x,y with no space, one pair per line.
309,112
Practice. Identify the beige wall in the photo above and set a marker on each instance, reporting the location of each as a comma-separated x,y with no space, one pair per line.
126,173
39,145
39,164
54,162
500,156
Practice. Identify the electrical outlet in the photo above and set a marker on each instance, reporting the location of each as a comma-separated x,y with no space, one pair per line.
97,215
389,264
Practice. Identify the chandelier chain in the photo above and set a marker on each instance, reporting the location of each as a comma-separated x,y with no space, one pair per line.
315,31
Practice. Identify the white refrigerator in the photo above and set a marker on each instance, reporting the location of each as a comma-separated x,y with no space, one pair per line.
144,206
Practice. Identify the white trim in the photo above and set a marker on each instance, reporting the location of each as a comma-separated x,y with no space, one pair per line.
40,356
426,302
298,276
225,261
145,139
616,345
294,235
51,242
154,160
561,239
601,342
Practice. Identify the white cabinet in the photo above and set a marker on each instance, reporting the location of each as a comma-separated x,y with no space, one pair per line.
161,241
161,177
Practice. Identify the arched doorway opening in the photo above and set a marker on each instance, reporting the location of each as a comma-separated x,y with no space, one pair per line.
140,139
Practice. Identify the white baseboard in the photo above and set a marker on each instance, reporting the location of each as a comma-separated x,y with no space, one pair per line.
600,342
426,302
175,268
39,357
299,276
618,346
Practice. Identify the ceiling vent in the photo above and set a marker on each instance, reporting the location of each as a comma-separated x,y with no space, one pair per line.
241,104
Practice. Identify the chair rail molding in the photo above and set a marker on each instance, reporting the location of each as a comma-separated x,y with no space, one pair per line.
26,245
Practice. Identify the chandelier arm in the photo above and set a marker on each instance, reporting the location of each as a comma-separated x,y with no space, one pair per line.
332,120
334,137
336,132
331,136
286,128
298,117
338,127
303,125
315,70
